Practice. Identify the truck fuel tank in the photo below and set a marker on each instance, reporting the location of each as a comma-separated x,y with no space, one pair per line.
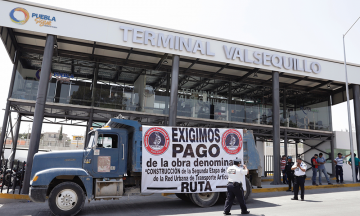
109,188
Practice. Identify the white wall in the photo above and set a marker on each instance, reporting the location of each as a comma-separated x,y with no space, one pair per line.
342,140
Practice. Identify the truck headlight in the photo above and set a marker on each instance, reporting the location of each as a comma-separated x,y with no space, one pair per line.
35,178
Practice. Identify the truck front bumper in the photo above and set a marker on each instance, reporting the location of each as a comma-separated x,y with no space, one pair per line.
38,193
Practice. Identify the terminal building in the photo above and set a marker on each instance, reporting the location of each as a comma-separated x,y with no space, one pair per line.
87,68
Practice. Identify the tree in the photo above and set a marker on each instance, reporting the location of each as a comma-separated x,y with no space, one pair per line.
60,134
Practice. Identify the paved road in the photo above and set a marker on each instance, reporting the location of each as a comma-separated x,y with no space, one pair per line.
337,201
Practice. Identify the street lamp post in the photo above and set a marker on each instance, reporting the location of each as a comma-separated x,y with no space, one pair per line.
348,109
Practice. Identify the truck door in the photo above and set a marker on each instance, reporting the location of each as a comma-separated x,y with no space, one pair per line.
106,155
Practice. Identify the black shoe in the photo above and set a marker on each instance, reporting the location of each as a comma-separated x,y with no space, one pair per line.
330,184
288,190
247,212
302,199
320,184
341,182
226,213
294,199
259,187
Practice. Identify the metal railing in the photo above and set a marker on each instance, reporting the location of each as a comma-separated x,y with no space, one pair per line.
269,168
11,178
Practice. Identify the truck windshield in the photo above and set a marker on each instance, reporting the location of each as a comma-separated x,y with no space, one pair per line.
91,141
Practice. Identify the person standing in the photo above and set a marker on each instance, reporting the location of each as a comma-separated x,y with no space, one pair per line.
236,183
314,166
357,163
282,167
339,161
300,169
289,172
321,161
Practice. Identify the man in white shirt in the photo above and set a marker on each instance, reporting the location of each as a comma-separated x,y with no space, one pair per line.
300,169
339,161
235,187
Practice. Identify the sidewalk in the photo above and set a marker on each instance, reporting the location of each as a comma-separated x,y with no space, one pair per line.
11,195
268,187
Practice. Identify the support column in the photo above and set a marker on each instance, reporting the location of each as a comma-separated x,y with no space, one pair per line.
39,109
276,127
15,141
229,101
57,92
356,98
332,138
284,105
174,90
7,107
94,84
286,143
167,94
333,171
89,125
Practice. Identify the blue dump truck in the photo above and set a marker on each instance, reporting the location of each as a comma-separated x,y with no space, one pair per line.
69,178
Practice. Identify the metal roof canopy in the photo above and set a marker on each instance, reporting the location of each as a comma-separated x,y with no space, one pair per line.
86,50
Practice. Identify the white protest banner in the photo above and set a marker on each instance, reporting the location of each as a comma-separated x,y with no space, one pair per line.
188,160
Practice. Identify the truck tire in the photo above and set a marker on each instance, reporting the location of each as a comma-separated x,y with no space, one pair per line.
204,199
248,189
183,197
67,198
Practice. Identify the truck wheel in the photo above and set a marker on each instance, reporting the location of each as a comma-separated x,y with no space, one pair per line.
248,189
67,198
204,199
182,196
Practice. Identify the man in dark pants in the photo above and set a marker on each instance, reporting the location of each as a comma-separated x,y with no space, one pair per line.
236,186
339,161
289,172
300,169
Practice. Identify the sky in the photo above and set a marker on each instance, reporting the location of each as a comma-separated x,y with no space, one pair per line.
310,27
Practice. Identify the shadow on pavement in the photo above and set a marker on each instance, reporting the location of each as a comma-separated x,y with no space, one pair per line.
248,214
260,204
315,201
161,206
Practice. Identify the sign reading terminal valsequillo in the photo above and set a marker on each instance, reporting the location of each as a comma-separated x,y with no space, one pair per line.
267,59
169,41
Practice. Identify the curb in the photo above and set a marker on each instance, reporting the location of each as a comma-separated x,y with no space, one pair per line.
14,196
267,179
310,187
